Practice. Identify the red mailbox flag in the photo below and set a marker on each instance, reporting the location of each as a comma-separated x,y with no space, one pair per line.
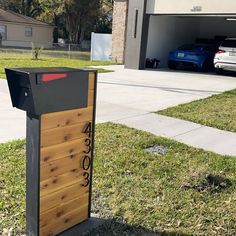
51,77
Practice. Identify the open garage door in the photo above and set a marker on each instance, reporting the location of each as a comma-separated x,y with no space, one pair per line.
168,32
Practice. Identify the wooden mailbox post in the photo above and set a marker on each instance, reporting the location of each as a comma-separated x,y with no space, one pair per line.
60,105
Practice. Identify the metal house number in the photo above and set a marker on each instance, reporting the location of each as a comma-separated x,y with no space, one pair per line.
196,9
86,161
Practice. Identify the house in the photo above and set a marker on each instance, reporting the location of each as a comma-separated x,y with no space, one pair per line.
19,31
152,28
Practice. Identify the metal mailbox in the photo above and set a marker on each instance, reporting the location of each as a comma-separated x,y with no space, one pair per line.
60,105
39,91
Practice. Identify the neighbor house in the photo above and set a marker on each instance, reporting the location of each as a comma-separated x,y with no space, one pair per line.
19,31
152,28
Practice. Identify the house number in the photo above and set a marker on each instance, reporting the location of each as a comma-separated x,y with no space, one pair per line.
86,161
196,9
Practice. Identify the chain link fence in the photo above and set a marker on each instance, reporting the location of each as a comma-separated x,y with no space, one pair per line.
61,49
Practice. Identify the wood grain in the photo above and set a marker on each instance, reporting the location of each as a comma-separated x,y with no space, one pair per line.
58,151
64,201
61,181
61,166
91,98
57,198
63,134
75,217
53,215
92,81
66,118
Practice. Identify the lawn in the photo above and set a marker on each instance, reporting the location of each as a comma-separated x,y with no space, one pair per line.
217,111
186,191
25,60
84,55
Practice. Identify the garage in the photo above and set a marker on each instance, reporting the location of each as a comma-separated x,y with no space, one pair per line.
167,33
156,27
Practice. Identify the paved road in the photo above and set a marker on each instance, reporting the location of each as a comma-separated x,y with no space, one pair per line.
128,97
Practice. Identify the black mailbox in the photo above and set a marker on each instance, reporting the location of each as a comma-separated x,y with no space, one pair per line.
60,105
44,90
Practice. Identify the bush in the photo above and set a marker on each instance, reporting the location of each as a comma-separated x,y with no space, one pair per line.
36,51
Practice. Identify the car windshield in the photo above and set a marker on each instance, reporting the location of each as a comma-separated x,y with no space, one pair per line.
194,46
188,47
229,44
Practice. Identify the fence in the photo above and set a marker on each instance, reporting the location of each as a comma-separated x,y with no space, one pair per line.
60,49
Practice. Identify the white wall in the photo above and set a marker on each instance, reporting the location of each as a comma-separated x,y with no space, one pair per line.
168,32
101,47
188,6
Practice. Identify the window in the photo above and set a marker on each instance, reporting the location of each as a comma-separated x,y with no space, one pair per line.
28,31
3,32
230,43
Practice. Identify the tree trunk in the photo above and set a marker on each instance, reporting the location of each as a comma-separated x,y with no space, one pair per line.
81,36
28,7
23,7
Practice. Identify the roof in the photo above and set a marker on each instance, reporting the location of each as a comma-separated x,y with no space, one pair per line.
10,16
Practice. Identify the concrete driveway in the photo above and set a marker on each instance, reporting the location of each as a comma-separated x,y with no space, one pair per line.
128,93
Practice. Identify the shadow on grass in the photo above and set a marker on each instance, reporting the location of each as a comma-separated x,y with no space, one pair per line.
115,228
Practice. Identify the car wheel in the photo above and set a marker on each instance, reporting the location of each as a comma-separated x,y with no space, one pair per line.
172,65
219,71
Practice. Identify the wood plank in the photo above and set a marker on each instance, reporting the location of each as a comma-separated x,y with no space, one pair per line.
53,215
66,194
58,151
66,118
59,182
75,217
92,80
91,98
61,166
63,134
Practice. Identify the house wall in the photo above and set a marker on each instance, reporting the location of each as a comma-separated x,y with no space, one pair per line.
119,30
42,36
190,6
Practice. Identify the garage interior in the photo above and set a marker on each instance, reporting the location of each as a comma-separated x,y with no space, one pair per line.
168,32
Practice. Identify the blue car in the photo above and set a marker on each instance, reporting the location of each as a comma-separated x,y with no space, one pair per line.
197,56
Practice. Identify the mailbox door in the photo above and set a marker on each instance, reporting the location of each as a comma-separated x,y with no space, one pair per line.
20,90
54,92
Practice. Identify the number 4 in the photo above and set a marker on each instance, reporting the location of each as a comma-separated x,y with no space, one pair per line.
88,129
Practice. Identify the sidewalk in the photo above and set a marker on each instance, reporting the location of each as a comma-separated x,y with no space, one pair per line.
190,133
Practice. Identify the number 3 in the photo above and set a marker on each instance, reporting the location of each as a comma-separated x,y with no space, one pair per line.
86,175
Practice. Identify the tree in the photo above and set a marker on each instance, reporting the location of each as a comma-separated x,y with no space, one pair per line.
104,23
75,18
52,12
30,8
80,15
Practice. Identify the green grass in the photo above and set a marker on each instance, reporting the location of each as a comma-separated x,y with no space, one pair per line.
186,191
17,60
217,111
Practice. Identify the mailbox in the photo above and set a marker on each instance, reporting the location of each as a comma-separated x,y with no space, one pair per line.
40,91
60,105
